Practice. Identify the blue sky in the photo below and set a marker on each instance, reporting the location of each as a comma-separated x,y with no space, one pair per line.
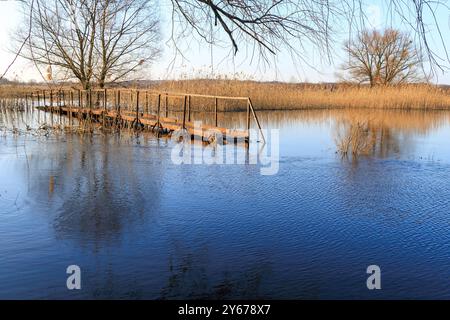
200,56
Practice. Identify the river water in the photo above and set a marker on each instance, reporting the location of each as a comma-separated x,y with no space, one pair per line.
143,227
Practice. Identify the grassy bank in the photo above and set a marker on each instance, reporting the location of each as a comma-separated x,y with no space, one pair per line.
285,96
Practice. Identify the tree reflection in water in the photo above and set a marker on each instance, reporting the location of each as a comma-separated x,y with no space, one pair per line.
96,186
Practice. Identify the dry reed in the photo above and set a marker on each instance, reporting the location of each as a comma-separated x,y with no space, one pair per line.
285,96
288,96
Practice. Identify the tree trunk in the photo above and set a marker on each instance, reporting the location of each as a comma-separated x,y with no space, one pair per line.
85,84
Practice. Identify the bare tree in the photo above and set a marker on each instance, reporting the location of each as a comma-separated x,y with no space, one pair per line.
383,58
265,27
128,38
270,26
91,40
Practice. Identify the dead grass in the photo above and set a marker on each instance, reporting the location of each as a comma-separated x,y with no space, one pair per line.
284,96
355,137
287,96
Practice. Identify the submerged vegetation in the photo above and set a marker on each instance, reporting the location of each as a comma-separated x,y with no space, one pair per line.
355,137
376,132
18,117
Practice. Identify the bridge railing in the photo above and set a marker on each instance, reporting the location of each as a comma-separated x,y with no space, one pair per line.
141,102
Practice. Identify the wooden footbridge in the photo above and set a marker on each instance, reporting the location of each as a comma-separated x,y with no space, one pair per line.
161,112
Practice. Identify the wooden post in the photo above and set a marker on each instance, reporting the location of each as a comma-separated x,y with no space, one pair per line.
118,99
184,112
63,101
146,103
256,119
189,108
215,110
58,102
43,96
167,105
51,108
137,106
90,99
159,107
248,116
39,110
105,100
38,101
115,99
70,107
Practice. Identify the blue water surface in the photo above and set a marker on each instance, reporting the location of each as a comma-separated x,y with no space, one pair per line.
142,227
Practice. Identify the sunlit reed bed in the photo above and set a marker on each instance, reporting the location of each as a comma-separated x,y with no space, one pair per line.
288,96
285,96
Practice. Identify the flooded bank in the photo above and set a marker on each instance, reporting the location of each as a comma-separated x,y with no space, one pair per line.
140,226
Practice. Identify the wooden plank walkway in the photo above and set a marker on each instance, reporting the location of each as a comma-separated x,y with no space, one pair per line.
134,108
